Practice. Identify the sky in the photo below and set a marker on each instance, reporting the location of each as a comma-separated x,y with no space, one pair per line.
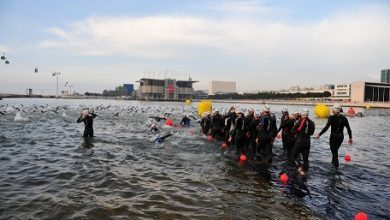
262,45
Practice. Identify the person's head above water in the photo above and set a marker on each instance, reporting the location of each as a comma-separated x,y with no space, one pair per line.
266,109
336,108
85,112
305,113
284,110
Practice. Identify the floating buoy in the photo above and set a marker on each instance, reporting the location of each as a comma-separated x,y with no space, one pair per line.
283,177
279,135
243,158
210,138
368,106
224,145
169,122
351,111
188,102
321,111
347,157
361,216
204,106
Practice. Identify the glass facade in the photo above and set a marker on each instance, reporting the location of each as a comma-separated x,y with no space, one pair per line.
385,76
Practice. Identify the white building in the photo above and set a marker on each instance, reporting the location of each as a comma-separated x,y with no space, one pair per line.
221,87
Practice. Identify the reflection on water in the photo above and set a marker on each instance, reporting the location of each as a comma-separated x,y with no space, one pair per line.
50,171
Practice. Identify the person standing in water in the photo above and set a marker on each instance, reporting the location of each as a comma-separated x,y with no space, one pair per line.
87,117
302,130
337,122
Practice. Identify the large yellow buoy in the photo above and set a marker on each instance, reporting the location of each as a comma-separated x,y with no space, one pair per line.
321,111
368,106
204,106
188,102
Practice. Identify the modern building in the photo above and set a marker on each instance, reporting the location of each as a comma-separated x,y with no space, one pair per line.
385,76
201,94
370,92
222,87
165,89
342,91
129,88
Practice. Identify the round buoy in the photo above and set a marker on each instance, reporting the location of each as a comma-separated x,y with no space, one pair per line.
243,157
204,106
321,111
210,138
188,102
224,145
283,177
169,122
279,135
347,157
361,216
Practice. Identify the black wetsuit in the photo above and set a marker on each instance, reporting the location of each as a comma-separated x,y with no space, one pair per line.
253,130
205,124
88,122
337,123
185,121
157,118
229,120
216,126
302,131
266,136
286,124
239,133
161,139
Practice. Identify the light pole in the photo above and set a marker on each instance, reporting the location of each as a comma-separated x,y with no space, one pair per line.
56,74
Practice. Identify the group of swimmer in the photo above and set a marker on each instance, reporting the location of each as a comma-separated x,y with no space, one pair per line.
253,133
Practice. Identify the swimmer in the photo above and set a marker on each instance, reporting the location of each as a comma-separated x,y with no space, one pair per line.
87,117
160,139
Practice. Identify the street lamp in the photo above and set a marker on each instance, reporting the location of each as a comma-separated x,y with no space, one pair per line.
56,74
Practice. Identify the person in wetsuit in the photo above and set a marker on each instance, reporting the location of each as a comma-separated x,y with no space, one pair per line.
337,122
185,121
87,117
286,124
205,123
160,139
216,125
229,120
253,130
239,132
266,134
302,131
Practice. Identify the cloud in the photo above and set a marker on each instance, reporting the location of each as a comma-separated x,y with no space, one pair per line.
243,7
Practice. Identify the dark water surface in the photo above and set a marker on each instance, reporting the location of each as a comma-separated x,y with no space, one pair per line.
48,171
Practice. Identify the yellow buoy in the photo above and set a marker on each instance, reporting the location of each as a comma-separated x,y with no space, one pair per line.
204,106
321,111
368,106
188,102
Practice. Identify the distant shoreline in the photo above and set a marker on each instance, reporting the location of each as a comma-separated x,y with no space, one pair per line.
385,105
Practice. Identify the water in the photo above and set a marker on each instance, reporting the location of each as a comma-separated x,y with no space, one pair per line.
50,172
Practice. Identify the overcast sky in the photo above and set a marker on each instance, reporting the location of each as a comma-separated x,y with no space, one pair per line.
263,45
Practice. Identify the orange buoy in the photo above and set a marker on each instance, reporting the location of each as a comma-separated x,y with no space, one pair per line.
224,145
169,122
351,112
243,157
347,157
210,138
283,177
279,135
361,216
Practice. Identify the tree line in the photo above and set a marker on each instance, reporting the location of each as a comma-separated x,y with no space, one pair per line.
271,95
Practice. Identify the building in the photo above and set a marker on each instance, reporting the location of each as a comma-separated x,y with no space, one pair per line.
222,87
165,89
370,92
201,94
342,92
129,88
385,76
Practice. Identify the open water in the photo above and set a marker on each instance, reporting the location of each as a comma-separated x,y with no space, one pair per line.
48,171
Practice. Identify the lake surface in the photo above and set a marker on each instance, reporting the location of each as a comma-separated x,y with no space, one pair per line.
48,171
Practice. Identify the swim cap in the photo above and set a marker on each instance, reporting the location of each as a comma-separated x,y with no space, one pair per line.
284,109
336,107
85,112
238,111
266,108
305,112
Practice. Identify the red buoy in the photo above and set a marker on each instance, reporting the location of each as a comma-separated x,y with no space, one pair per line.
347,157
243,157
361,216
210,138
224,145
169,122
279,135
283,178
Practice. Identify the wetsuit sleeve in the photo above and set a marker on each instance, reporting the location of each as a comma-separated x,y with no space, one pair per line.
312,127
348,128
326,126
94,115
281,124
80,119
274,128
295,127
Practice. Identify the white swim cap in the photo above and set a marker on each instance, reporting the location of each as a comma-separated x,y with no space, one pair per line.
284,109
266,108
305,112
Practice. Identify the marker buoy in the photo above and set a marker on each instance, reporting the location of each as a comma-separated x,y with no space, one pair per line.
321,111
223,145
210,138
361,216
169,122
243,158
283,177
347,157
279,135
